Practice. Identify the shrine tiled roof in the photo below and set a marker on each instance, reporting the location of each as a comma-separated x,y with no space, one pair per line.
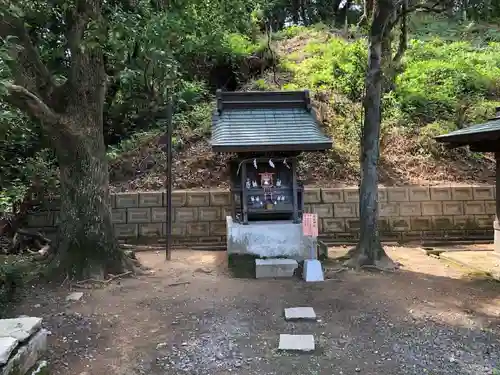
488,131
266,121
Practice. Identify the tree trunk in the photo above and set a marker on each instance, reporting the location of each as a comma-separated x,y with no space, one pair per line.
86,245
369,251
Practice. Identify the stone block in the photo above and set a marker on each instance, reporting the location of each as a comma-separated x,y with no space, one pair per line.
490,207
112,200
20,328
41,219
410,209
390,236
345,210
151,199
440,193
462,193
421,223
74,297
126,230
198,229
351,195
483,193
178,229
312,271
198,198
464,222
151,230
218,228
119,215
27,355
443,222
323,210
432,208
411,236
300,313
384,224
433,234
179,198
331,225
388,209
7,346
382,194
297,343
400,224
419,194
138,215
51,204
346,236
220,198
226,211
209,213
352,224
266,268
186,214
312,195
332,195
397,194
474,208
159,214
126,200
453,208
484,221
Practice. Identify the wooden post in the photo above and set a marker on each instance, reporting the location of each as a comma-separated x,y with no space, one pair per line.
294,191
496,223
168,182
244,203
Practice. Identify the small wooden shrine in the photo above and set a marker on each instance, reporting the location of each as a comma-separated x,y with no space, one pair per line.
481,138
265,132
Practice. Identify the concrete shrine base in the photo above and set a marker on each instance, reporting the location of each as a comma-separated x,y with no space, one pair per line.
267,239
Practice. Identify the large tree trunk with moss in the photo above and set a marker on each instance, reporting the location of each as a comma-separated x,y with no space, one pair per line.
72,117
86,245
369,251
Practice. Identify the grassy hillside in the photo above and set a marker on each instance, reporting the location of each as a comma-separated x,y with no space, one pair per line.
451,78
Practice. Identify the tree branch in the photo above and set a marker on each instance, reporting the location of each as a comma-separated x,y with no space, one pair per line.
31,104
28,69
431,7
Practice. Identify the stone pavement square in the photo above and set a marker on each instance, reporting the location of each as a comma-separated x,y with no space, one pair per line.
300,313
296,343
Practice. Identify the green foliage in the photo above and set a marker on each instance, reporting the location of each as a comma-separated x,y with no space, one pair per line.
445,84
336,65
12,278
441,78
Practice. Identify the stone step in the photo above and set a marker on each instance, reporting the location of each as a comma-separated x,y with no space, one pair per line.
275,267
297,343
300,313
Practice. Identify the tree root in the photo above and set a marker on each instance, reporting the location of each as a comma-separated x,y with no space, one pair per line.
357,258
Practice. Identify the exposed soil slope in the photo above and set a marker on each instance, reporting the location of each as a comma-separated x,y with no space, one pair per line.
402,160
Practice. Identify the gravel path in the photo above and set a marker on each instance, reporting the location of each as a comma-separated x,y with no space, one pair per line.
425,319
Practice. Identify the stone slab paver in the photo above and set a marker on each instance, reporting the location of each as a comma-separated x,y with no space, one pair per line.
19,328
27,355
297,343
277,267
75,296
300,313
7,346
480,261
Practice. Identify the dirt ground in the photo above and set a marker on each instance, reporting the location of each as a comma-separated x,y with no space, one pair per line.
190,316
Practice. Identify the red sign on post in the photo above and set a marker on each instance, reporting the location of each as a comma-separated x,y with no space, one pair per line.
310,225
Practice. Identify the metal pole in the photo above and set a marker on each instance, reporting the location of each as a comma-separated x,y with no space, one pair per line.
168,182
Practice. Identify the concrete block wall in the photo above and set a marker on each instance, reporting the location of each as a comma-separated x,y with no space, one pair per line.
406,213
